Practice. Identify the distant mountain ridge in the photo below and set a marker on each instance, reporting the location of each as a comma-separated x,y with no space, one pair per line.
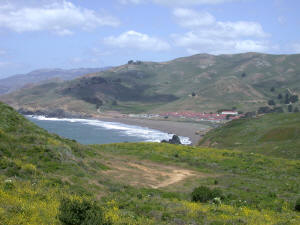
203,83
18,81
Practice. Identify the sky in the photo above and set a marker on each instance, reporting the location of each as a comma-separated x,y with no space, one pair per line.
37,34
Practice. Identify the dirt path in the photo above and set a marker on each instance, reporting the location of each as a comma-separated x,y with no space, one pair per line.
163,176
177,176
148,174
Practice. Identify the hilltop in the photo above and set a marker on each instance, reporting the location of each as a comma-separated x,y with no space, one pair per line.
273,134
200,82
41,174
15,82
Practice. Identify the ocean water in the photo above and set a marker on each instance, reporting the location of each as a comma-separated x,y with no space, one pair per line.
88,131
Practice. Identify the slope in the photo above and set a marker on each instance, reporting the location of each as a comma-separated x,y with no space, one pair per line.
200,83
142,183
271,134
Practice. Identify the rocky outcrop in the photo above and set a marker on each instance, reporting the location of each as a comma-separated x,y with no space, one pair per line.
175,140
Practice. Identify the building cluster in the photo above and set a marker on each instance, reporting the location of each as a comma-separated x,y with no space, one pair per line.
198,116
214,117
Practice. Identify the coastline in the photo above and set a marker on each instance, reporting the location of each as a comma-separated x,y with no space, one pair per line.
192,130
186,129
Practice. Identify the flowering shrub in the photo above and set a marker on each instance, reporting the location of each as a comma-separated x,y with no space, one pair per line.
204,194
80,212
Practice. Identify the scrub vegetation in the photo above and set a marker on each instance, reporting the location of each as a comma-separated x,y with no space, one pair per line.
275,134
46,179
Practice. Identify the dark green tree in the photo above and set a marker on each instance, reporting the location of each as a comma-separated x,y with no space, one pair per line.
287,99
294,98
271,102
264,109
272,89
279,96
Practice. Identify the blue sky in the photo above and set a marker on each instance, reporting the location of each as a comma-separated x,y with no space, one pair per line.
84,33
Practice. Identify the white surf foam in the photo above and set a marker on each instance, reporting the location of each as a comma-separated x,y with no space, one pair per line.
149,135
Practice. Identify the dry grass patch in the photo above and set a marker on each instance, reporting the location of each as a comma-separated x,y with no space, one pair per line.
148,174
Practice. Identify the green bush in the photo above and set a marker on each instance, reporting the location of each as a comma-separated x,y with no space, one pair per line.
80,212
204,194
297,205
3,163
8,185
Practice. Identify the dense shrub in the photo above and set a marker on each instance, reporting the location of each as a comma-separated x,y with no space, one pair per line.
264,109
8,185
204,194
297,206
271,102
80,212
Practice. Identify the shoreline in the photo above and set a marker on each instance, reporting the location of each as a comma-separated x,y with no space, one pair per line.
192,130
185,129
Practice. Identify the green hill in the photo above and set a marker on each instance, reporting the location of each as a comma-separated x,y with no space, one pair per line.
271,134
201,83
46,179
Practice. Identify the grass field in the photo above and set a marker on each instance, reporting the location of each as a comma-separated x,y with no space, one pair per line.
272,134
138,183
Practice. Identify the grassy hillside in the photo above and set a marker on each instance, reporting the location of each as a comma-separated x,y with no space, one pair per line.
142,183
272,134
201,83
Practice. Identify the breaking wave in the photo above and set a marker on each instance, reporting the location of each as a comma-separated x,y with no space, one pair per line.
147,134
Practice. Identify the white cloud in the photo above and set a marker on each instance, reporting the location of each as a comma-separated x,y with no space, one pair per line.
60,17
209,35
136,40
178,2
190,18
238,29
198,20
195,43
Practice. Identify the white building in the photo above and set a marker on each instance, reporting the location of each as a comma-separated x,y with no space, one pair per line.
234,113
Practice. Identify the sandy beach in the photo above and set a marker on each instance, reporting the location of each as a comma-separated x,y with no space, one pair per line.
186,129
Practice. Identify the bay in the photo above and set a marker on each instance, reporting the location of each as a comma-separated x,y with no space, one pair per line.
88,131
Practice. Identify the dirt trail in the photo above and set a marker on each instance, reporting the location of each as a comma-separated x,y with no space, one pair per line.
177,176
162,177
148,174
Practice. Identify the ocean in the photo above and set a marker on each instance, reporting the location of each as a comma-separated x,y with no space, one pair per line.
89,131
